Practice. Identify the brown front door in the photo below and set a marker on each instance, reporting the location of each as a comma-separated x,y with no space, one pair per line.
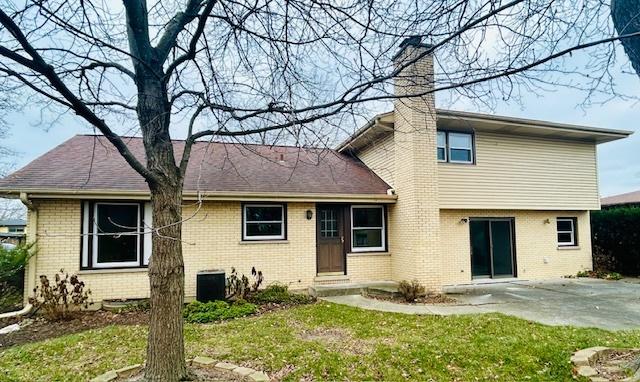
330,238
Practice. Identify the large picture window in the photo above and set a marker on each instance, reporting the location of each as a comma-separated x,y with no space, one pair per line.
566,228
264,222
367,228
455,147
113,235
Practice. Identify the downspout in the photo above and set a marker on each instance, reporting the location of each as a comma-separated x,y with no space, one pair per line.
30,271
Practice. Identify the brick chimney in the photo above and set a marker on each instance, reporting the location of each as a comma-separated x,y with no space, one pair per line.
415,218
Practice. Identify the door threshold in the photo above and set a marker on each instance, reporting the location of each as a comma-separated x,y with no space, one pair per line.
494,280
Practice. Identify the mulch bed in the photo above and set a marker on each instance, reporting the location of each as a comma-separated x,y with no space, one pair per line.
428,299
38,328
616,364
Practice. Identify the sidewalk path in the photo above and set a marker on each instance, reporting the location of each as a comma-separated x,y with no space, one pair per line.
611,305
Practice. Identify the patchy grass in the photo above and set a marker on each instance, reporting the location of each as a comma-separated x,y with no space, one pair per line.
331,342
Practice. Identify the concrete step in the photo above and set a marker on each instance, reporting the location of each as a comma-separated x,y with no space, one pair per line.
331,279
352,289
333,290
383,291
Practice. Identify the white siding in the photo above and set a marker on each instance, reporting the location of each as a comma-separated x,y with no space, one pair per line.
517,172
379,156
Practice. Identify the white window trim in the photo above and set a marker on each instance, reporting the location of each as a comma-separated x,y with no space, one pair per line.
94,250
147,244
85,234
470,149
263,237
446,151
383,228
572,232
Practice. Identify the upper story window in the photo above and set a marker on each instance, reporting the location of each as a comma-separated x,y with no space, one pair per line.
367,228
455,147
113,235
442,146
264,222
566,228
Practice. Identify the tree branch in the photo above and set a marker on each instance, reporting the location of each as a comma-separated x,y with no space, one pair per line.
506,73
138,31
176,25
38,65
191,52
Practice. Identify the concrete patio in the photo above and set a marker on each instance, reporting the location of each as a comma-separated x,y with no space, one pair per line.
612,305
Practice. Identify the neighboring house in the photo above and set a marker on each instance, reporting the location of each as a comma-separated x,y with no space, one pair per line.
628,199
440,196
12,230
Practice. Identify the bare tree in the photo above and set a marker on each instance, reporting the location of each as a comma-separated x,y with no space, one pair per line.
626,18
273,70
9,208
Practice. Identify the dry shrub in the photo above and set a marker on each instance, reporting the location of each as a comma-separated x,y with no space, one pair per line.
411,290
60,299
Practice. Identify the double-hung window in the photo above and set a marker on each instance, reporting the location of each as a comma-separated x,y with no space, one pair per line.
442,146
566,229
264,222
455,147
113,235
460,147
367,228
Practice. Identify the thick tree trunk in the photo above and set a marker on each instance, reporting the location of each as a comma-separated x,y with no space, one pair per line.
165,348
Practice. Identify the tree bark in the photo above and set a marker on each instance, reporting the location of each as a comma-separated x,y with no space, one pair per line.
165,348
625,19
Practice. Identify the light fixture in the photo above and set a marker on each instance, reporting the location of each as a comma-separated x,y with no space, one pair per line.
309,214
547,221
464,221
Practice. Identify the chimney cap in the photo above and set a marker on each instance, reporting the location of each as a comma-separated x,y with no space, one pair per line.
415,41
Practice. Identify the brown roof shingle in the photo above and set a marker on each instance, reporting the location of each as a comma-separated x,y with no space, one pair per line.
628,198
89,162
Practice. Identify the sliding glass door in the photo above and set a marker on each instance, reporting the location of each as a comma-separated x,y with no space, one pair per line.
492,249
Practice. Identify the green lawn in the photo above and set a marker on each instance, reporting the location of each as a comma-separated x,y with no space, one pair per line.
332,342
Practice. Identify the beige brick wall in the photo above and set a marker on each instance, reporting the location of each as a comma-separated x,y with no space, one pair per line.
212,240
216,238
537,253
368,267
58,247
414,219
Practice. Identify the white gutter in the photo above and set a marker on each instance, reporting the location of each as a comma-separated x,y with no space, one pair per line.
206,196
27,308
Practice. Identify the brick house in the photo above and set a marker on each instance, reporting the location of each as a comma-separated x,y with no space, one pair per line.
441,196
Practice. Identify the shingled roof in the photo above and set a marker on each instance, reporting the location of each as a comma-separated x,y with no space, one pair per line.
628,198
91,163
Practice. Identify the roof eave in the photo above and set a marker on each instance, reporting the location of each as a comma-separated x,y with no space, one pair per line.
375,122
598,135
203,195
594,134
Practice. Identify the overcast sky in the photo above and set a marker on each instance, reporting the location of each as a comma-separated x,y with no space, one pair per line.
618,162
